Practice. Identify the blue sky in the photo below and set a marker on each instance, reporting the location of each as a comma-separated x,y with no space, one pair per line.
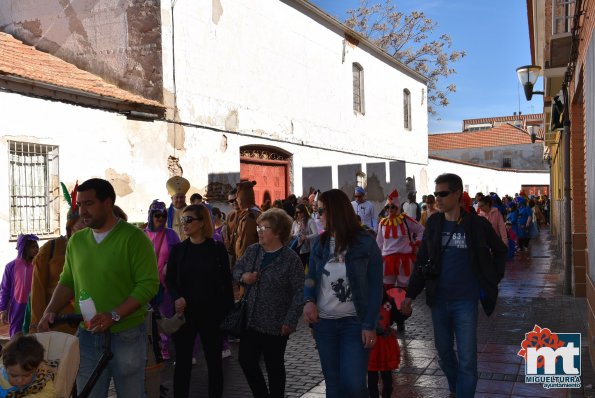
495,36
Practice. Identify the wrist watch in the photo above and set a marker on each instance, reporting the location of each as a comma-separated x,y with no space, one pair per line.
115,316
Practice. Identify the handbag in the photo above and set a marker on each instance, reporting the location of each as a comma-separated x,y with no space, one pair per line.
234,324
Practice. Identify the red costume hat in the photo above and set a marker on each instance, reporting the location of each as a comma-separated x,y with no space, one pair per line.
393,197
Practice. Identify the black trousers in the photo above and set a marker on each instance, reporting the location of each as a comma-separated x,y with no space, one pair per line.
387,384
305,257
211,340
253,344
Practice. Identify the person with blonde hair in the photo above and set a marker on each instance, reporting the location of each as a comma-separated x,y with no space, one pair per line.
198,279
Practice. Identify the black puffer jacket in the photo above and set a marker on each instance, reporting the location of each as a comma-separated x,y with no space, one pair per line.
487,263
277,298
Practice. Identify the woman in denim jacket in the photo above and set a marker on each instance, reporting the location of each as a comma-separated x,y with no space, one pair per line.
343,293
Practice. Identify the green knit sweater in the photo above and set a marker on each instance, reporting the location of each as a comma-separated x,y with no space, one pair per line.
123,265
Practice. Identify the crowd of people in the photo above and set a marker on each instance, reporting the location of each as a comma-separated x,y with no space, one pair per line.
351,273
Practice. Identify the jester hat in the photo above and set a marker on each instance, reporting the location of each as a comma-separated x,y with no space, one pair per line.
393,197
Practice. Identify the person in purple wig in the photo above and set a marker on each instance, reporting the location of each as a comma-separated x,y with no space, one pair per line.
163,239
16,283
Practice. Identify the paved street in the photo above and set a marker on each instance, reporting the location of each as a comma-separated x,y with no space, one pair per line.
531,293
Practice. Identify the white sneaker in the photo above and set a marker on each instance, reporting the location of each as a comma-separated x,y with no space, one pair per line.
226,353
193,361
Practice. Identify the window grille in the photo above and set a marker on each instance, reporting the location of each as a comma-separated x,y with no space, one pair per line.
563,16
507,163
34,189
407,109
358,88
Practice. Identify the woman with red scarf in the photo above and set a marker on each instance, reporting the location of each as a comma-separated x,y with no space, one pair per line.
398,237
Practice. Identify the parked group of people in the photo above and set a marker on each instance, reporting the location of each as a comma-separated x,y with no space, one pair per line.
351,274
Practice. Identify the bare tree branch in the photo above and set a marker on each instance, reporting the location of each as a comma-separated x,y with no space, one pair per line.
406,38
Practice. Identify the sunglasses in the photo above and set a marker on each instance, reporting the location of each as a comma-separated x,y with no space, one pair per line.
262,228
321,211
160,215
189,219
392,207
442,194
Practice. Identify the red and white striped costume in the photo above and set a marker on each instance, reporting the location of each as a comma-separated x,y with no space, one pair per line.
398,250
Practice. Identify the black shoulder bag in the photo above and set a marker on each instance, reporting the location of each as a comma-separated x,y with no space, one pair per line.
431,270
234,323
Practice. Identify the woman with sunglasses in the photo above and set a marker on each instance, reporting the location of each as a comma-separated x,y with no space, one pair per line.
343,293
398,238
163,240
274,279
198,280
304,229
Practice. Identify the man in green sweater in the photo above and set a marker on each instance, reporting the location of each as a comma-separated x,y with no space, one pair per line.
114,263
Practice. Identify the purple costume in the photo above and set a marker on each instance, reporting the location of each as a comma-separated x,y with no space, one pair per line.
163,240
16,286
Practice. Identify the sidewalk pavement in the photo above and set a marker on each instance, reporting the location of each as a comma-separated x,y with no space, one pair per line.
530,293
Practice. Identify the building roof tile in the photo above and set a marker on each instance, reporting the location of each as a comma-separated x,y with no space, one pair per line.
498,136
21,60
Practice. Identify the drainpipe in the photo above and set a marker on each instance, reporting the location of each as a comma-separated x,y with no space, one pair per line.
173,62
567,255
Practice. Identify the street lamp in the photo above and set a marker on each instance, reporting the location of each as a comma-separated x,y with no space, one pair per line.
528,75
533,135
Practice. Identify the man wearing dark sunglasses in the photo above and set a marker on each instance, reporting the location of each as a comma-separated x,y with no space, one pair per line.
363,208
460,262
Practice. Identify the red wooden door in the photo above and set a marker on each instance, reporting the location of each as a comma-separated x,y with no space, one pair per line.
271,179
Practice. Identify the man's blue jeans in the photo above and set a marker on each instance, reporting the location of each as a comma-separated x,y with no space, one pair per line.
343,358
127,367
457,319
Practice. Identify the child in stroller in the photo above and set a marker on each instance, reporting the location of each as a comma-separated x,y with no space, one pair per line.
23,372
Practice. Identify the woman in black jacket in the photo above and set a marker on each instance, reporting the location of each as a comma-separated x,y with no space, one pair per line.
198,280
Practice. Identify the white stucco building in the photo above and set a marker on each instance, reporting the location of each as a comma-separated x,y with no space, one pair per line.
275,91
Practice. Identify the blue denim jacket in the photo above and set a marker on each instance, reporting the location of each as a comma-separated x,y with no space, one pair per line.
363,261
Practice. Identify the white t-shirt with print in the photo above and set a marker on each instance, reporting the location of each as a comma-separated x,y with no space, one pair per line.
335,299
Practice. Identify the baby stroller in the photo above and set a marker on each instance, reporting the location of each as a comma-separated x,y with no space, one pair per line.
62,350
62,353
